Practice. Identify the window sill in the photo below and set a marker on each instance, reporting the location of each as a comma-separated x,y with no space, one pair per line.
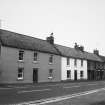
50,63
20,79
68,65
35,62
50,77
68,78
21,61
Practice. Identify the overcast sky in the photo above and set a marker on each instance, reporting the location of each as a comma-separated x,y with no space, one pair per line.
81,21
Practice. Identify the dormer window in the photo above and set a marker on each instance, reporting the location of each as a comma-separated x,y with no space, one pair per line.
21,55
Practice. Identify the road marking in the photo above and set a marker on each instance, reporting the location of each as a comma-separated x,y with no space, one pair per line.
17,86
27,91
5,88
92,84
70,87
57,99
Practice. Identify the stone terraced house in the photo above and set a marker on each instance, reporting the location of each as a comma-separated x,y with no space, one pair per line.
25,59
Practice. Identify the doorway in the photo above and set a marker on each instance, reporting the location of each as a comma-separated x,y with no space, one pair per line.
75,74
35,75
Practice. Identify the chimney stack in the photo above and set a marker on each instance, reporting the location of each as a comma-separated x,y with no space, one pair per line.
77,47
96,52
50,39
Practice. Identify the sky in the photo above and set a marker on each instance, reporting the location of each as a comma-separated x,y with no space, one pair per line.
80,21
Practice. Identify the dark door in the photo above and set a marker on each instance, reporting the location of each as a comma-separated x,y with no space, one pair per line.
35,75
89,75
75,74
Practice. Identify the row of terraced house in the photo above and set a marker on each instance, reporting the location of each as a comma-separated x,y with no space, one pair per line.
25,59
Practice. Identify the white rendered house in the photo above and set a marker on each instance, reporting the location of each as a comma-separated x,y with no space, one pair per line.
73,63
73,69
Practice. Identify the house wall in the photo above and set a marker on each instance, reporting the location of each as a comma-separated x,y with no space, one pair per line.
10,64
65,67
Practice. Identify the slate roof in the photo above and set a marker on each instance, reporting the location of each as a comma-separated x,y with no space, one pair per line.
15,40
102,57
72,52
20,41
92,57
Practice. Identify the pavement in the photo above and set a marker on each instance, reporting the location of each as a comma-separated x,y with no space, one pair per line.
37,94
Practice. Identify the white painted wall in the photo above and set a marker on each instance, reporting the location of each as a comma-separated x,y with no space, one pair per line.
65,67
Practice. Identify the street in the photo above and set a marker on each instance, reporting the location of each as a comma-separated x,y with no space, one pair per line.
12,94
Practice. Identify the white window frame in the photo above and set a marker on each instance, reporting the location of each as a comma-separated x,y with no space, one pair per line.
35,58
68,61
82,62
21,52
22,73
75,62
50,75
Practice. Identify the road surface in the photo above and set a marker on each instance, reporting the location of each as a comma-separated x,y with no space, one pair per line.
12,94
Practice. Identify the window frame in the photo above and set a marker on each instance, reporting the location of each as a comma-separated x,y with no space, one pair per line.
81,74
35,58
50,75
51,59
21,55
68,74
68,61
75,62
20,73
82,62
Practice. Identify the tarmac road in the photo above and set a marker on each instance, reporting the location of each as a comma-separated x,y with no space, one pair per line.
12,94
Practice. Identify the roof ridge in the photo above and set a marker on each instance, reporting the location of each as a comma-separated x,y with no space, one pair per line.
17,40
22,34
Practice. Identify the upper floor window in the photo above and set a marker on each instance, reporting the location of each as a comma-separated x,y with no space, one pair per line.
51,59
68,61
81,62
35,56
20,73
68,74
75,62
21,55
81,74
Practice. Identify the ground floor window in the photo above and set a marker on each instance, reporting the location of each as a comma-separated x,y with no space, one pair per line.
81,74
68,74
20,73
50,74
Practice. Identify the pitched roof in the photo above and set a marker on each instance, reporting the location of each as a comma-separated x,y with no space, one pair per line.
102,57
20,41
92,57
15,40
72,52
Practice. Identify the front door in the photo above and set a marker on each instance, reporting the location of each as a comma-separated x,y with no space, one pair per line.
35,75
75,74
